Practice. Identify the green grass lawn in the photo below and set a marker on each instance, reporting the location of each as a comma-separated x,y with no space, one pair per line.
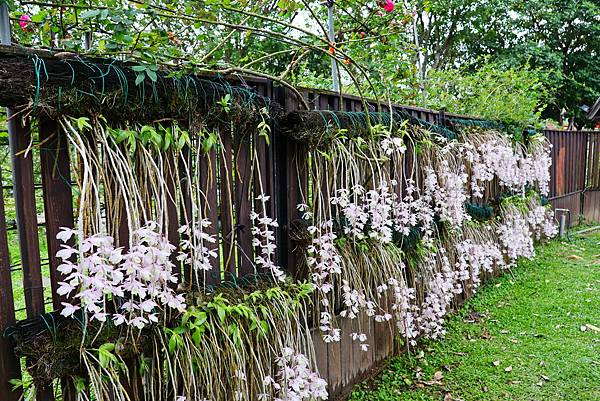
532,335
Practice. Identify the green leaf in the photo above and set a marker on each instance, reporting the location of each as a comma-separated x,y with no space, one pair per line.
109,347
197,336
16,383
80,384
82,122
264,326
221,313
179,330
140,78
152,75
89,14
172,343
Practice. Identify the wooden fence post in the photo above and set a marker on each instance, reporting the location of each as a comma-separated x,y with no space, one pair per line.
25,206
210,208
10,368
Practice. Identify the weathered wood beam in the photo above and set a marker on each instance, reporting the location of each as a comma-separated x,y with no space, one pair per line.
52,83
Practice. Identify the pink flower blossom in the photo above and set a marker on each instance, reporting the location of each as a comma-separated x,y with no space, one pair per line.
24,21
388,6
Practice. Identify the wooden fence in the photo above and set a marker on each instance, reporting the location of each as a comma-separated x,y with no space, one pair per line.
43,202
575,174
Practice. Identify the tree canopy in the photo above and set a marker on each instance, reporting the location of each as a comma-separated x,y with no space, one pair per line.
384,49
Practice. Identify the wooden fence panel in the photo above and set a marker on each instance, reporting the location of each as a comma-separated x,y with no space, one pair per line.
569,154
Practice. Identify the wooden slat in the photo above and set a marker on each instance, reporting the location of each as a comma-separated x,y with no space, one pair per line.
9,363
264,179
24,193
583,152
570,171
226,186
356,360
346,351
596,161
293,183
382,336
591,206
243,205
321,354
208,184
334,368
367,358
185,207
560,169
58,201
595,173
172,222
592,178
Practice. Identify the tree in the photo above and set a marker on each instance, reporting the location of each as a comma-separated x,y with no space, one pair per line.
559,37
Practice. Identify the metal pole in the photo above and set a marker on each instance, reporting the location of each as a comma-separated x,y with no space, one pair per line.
87,41
420,66
6,40
563,225
334,68
4,24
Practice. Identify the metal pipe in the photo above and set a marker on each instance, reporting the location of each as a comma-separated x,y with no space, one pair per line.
563,224
561,227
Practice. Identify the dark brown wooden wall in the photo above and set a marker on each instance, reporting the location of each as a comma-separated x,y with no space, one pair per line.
575,173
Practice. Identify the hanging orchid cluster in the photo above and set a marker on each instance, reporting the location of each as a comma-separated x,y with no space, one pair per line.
198,247
378,216
515,169
473,259
388,237
295,380
448,190
136,282
264,239
541,222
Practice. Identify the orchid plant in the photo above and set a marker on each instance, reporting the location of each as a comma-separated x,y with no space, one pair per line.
388,233
377,199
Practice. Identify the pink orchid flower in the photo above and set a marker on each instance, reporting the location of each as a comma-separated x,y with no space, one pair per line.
24,21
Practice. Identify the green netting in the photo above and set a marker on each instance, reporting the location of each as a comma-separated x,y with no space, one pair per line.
479,212
320,126
478,123
82,87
